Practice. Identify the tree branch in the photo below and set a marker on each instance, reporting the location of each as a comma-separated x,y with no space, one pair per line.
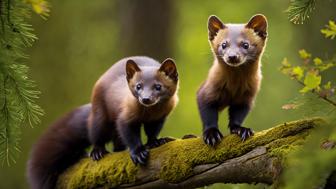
318,94
189,163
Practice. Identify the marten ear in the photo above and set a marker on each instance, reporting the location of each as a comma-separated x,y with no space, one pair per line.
131,69
168,67
259,24
214,25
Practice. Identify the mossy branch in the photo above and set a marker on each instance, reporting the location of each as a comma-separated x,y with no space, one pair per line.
189,163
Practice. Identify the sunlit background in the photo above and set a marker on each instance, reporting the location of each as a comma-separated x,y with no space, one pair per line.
82,39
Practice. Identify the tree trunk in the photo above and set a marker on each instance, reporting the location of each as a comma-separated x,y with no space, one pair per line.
189,163
146,27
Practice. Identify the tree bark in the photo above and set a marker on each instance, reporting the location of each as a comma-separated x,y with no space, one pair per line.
189,163
146,28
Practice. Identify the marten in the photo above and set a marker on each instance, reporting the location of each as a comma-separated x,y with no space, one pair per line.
145,93
234,78
134,91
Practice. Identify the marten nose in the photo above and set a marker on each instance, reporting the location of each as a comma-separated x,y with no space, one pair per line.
146,100
233,58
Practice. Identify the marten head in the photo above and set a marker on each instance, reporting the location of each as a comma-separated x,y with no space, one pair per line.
152,85
237,44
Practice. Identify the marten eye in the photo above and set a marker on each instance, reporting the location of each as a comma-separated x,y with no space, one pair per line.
224,45
138,86
157,87
245,45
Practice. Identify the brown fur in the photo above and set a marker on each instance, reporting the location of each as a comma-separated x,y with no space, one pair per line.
118,109
112,94
64,142
235,76
60,146
226,84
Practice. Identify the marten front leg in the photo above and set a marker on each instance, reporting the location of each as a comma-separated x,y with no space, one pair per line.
130,135
118,144
237,114
209,116
152,130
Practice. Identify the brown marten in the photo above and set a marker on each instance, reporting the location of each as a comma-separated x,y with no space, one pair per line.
134,91
234,78
124,99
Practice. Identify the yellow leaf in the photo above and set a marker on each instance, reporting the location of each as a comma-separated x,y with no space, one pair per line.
297,72
329,30
40,7
285,63
327,86
304,54
311,81
317,61
324,67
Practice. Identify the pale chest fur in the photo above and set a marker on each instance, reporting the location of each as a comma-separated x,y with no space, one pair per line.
131,110
233,85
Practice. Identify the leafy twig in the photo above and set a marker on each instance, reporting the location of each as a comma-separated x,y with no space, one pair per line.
318,94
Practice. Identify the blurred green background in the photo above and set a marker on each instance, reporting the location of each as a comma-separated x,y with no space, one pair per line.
82,39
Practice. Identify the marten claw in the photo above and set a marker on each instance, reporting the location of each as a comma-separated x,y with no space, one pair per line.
156,142
243,132
139,155
212,136
97,153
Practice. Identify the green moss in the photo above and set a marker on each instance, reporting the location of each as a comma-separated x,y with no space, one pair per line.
115,169
177,158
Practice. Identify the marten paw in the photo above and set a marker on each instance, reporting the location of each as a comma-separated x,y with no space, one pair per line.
139,155
157,142
97,153
212,136
242,132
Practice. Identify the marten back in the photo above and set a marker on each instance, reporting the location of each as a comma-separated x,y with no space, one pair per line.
59,147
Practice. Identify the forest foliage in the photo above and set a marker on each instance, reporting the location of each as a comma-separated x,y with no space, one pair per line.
18,91
315,162
91,38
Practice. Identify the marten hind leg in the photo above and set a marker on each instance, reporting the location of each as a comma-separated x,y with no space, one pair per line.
237,114
152,130
100,132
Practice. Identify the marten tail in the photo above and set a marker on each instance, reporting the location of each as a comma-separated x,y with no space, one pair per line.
60,146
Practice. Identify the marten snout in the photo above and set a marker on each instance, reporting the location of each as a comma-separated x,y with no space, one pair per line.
233,59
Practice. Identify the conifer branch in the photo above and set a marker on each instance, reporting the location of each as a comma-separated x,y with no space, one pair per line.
17,91
299,10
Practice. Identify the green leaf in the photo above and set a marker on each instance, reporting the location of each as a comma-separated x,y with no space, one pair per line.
286,67
297,72
304,54
40,7
324,67
311,81
330,30
317,61
285,63
327,86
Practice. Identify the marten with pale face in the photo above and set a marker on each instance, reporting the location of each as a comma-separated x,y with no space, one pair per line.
135,91
234,78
